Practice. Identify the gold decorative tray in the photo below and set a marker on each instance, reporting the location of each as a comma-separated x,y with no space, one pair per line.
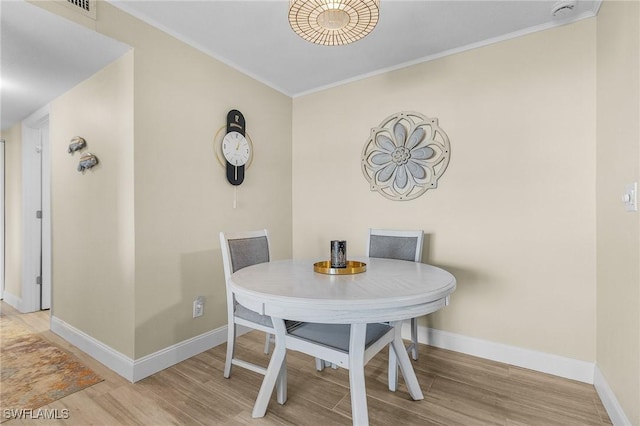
353,267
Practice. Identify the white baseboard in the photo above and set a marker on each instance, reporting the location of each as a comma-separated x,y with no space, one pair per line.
145,366
12,300
164,358
116,361
609,400
526,358
569,368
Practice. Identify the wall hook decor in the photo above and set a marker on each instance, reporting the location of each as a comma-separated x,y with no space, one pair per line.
87,161
405,156
77,143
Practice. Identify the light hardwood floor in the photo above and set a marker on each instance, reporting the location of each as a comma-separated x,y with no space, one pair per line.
459,390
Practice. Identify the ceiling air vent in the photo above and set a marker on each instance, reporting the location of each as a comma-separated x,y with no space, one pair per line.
86,7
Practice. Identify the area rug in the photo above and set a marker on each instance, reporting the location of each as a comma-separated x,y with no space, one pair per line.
35,372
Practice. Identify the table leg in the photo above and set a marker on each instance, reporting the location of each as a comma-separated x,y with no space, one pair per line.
276,364
393,369
406,368
359,411
414,338
281,383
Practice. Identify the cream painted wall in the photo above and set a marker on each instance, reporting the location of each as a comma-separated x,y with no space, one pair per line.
618,232
182,198
93,212
13,212
514,215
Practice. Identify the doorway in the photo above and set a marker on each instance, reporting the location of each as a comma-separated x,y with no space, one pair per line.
36,212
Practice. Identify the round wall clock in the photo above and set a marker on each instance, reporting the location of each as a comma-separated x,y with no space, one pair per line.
405,156
234,148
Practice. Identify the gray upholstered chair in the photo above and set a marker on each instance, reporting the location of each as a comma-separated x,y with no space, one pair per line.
239,250
402,245
332,342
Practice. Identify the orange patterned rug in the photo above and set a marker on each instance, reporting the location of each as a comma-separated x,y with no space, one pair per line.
35,372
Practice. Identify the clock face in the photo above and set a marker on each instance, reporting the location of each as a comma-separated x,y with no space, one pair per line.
235,149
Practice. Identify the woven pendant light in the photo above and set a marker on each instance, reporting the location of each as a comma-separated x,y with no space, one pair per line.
333,22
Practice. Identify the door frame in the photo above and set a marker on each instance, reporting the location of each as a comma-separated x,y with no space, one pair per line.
32,129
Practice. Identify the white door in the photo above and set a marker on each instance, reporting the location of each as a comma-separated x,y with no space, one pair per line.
36,286
2,218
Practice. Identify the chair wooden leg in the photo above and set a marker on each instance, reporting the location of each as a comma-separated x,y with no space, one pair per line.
359,412
406,368
274,369
321,364
267,343
231,342
414,338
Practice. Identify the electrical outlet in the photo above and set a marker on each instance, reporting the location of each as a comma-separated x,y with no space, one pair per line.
198,307
630,197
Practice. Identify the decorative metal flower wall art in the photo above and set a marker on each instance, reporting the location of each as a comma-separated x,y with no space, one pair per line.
405,156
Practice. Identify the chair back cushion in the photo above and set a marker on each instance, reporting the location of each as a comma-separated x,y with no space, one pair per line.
245,252
401,248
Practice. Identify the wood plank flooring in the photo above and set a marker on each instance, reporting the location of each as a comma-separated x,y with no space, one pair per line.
458,389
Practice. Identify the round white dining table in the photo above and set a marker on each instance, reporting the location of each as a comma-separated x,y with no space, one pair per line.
388,291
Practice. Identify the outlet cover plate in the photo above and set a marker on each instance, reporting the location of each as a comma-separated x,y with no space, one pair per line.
198,307
630,197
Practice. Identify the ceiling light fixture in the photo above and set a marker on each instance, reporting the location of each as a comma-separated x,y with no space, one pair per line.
563,8
333,22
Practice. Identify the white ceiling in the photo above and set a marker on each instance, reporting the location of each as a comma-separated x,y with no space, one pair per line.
43,56
255,38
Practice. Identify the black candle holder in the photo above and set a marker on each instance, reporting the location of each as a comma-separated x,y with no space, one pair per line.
338,254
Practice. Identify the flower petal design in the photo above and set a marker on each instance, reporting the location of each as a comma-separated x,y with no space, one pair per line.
401,177
422,153
385,142
386,172
400,133
416,170
381,159
436,157
416,137
405,156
